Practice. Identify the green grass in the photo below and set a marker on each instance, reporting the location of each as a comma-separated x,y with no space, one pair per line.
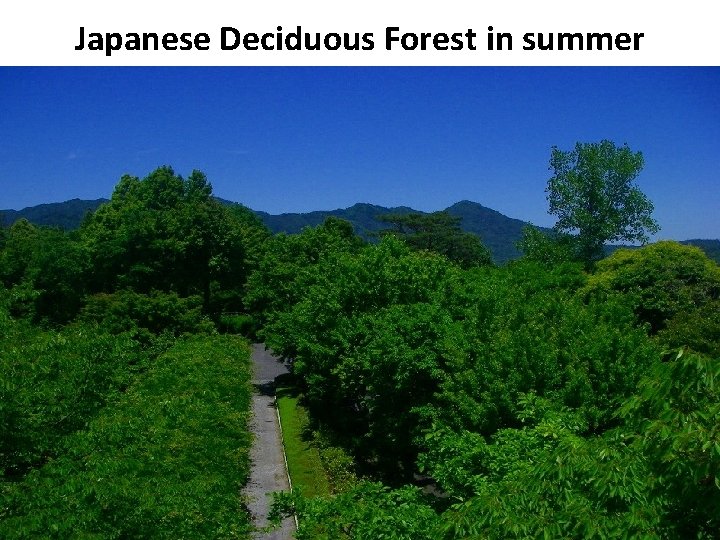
304,463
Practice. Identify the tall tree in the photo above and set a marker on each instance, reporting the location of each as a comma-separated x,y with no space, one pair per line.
593,195
439,232
168,233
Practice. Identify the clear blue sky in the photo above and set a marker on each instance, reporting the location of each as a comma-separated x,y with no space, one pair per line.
300,139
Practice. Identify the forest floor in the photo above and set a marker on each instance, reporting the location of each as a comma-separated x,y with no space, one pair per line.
268,472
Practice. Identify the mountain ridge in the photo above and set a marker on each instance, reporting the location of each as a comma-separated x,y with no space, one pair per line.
66,215
496,230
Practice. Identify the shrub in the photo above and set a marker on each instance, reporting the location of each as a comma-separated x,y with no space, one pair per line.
52,383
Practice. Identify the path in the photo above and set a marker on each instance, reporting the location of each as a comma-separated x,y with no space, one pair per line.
267,472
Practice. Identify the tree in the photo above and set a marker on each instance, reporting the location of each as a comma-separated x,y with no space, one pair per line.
666,282
168,233
439,232
592,194
546,248
45,269
281,274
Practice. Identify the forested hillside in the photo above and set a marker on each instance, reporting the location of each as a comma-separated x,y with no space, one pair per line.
498,232
67,215
564,394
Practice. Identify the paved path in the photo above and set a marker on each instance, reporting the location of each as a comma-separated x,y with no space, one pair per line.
267,472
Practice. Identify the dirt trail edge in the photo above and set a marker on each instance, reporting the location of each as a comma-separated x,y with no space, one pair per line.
267,471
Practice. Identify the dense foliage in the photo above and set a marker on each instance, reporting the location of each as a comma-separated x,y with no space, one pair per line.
52,383
369,510
439,232
655,476
45,270
167,233
283,270
546,398
159,241
711,248
498,232
666,281
535,396
166,459
115,423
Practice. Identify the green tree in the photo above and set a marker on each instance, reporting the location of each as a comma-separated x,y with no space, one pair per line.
168,233
282,273
549,249
51,384
439,232
17,253
164,458
364,337
526,330
368,511
657,475
664,281
593,195
45,269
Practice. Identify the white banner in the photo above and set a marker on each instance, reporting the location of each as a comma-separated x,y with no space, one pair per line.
371,32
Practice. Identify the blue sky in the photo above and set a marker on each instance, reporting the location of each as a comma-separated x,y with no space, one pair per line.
300,139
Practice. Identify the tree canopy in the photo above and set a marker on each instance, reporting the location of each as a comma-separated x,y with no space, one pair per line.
168,233
439,232
537,399
593,195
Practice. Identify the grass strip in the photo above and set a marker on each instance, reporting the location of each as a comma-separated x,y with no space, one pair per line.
304,465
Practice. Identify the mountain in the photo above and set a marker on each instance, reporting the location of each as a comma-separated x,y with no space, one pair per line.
363,216
710,247
497,231
67,215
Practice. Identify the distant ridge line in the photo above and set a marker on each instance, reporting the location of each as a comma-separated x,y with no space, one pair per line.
498,232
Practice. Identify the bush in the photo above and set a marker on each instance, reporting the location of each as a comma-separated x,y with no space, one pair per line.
698,329
243,325
369,511
528,331
656,476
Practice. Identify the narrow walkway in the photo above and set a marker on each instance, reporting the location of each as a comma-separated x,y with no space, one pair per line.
267,472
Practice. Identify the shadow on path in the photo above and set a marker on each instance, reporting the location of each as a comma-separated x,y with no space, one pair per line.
265,388
267,472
